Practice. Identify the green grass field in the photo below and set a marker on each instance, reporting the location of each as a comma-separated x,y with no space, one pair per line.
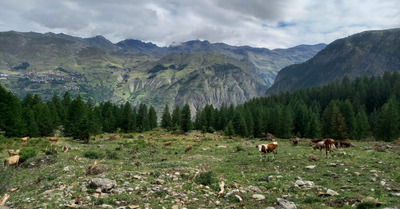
150,175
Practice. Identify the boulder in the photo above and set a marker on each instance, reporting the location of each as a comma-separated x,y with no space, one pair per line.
285,204
103,183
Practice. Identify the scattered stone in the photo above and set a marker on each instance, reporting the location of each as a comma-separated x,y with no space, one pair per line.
175,207
159,181
394,194
356,173
383,182
270,207
222,146
141,136
333,164
66,169
331,192
346,187
258,196
118,191
106,206
372,171
254,189
285,204
369,199
103,183
311,167
100,146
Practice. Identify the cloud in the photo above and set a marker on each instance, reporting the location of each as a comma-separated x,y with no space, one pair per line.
261,23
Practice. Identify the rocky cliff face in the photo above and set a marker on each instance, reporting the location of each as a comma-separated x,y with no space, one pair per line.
368,53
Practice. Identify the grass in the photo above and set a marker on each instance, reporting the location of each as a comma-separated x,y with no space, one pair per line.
236,161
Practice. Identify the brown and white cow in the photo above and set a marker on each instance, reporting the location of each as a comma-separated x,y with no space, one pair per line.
329,144
267,148
346,144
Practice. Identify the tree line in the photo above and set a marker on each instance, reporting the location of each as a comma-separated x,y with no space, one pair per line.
363,108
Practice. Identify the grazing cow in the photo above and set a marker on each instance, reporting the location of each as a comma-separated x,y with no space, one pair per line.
167,144
52,139
65,148
11,160
12,152
24,139
316,140
319,145
189,147
267,148
346,144
329,145
296,141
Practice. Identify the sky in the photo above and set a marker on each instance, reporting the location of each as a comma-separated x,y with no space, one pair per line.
258,23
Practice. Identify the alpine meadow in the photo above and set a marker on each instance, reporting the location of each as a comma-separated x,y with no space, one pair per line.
88,123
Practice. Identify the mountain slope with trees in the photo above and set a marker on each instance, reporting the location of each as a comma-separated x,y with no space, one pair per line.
367,53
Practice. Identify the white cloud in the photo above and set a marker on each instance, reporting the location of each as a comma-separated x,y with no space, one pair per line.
261,23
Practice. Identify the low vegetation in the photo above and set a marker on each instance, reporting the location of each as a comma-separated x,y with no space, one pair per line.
149,174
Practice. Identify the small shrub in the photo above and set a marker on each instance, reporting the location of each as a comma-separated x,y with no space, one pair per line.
155,174
239,148
112,155
365,205
206,178
93,155
310,200
27,153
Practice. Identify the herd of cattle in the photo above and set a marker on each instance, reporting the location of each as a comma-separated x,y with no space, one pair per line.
322,144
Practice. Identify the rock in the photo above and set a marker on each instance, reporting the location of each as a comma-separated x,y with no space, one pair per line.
141,136
254,189
331,192
118,191
100,146
103,183
394,194
258,196
175,207
300,183
270,207
369,199
311,167
222,146
346,187
285,204
383,182
332,164
356,173
126,184
159,181
66,169
106,206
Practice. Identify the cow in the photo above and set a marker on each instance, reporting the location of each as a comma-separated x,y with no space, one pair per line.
346,144
24,139
11,160
319,145
296,141
53,139
329,144
12,152
316,140
189,147
267,148
167,143
65,148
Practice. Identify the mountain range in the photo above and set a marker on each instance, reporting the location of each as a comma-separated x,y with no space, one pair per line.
364,54
194,72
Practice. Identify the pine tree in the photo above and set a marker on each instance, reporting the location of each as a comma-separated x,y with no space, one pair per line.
76,111
176,118
362,127
127,117
152,118
43,119
313,127
229,131
387,127
143,118
186,121
239,123
166,121
338,129
11,121
346,109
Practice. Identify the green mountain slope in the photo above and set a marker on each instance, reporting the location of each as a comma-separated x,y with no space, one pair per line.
367,53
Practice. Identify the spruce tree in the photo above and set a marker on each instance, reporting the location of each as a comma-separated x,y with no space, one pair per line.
176,118
143,118
127,117
388,123
186,121
362,127
229,131
313,127
166,121
152,118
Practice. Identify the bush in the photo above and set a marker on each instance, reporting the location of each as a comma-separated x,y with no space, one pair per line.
27,153
93,155
206,178
112,155
365,205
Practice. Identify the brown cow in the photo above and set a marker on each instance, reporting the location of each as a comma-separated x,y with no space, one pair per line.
167,144
65,148
52,139
329,145
24,139
189,147
346,144
296,141
11,160
267,148
12,152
